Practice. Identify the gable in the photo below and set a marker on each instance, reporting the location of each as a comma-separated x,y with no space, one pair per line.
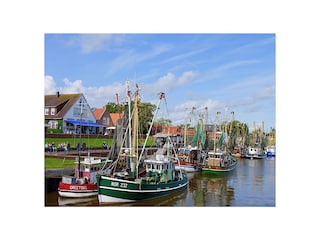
61,102
98,113
114,118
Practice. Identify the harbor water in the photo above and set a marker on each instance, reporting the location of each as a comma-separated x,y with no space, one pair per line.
251,184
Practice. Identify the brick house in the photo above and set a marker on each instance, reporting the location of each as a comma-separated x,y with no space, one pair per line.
108,120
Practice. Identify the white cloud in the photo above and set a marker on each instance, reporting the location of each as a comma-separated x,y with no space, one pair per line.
182,56
89,43
72,87
169,82
186,77
265,92
99,96
183,112
130,58
94,42
96,96
49,85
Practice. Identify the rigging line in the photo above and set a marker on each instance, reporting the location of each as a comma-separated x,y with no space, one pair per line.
162,96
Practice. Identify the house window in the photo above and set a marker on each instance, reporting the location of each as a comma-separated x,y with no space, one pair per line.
77,112
46,111
53,111
53,124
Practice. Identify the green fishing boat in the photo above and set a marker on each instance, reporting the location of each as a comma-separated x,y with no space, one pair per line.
145,177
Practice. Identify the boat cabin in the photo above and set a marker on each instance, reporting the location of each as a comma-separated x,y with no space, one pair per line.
189,154
217,155
90,166
216,158
255,150
159,169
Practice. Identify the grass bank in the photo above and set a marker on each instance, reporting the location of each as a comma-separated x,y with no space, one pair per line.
51,163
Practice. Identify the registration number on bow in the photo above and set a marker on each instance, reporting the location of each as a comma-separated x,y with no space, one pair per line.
116,184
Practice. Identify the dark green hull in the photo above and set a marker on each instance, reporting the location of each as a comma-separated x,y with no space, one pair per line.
112,190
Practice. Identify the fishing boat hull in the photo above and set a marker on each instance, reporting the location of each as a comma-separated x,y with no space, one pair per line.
216,169
271,151
114,190
237,155
189,168
271,154
254,156
254,153
77,190
219,162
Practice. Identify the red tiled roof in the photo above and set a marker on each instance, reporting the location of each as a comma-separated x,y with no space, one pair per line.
172,130
114,118
98,113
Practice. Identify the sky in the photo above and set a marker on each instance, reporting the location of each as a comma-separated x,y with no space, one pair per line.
221,72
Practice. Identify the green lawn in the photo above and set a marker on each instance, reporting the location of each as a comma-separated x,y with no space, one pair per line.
50,163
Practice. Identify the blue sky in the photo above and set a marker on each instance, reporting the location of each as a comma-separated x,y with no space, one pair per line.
223,72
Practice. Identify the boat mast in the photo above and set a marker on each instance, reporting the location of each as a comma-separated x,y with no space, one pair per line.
214,136
135,123
199,140
205,124
185,137
230,130
129,114
226,129
79,147
219,124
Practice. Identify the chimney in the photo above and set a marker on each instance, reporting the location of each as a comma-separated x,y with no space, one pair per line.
58,94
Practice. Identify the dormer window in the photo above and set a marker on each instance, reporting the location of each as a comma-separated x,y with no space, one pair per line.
46,111
53,111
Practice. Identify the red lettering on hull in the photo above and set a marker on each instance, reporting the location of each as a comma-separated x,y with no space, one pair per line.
77,187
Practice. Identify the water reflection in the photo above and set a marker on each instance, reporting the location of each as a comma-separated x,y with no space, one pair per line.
252,183
211,190
86,201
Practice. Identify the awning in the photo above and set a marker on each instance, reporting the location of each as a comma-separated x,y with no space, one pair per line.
91,124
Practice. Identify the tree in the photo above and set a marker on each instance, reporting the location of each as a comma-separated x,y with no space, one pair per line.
237,131
146,113
112,107
164,122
